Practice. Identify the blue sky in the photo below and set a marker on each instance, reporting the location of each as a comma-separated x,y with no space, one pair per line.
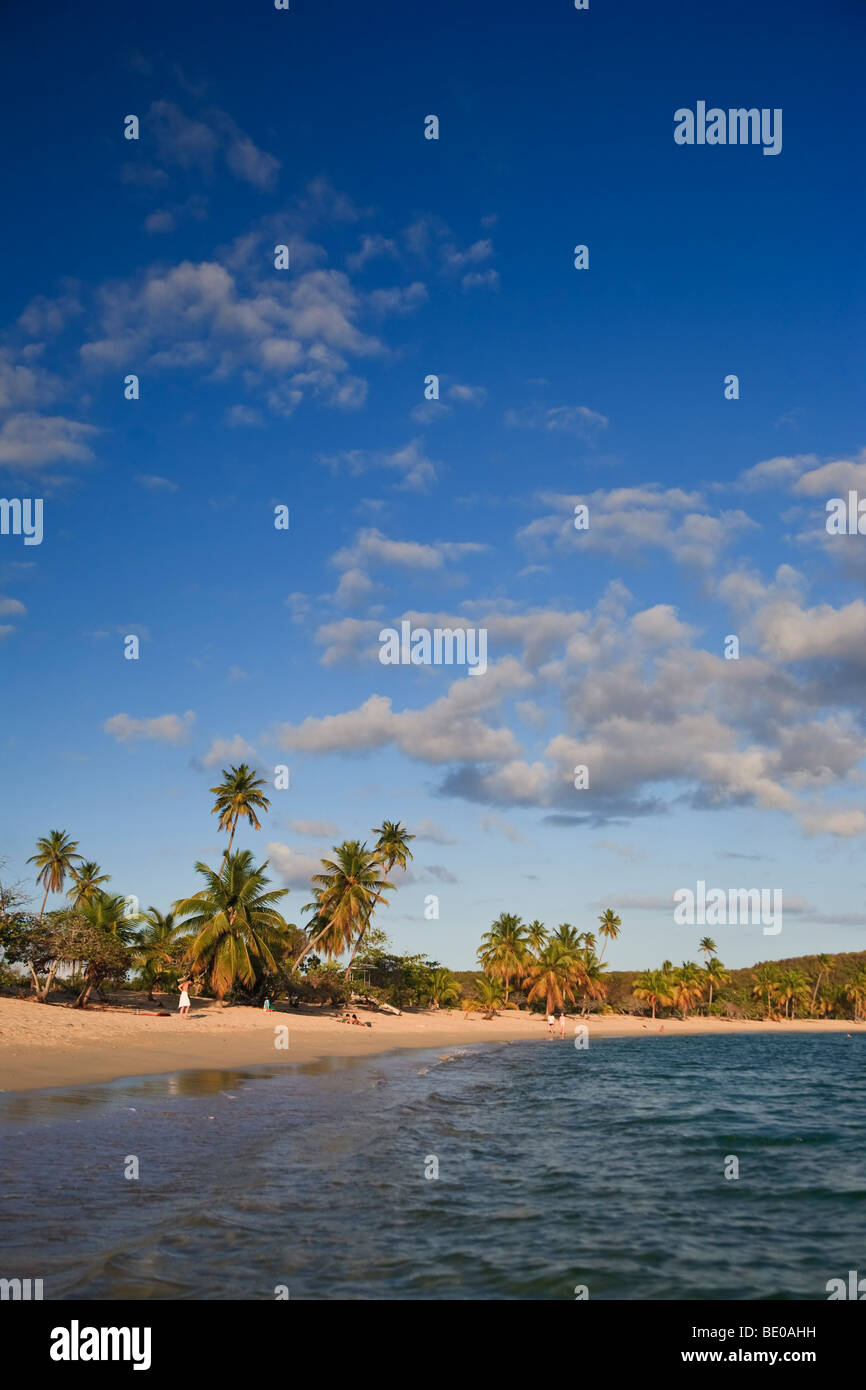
306,387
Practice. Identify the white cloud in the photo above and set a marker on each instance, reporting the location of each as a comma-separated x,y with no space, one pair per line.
448,730
189,144
454,259
502,827
372,547
559,419
418,472
624,521
243,415
228,750
159,222
154,483
433,831
24,385
30,441
805,475
164,728
295,868
481,279
316,829
371,248
823,633
246,161
469,395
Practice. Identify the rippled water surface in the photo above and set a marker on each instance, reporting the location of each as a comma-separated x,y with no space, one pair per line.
557,1167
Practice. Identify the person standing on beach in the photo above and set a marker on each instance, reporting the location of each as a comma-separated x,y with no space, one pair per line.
183,1006
562,1023
550,1022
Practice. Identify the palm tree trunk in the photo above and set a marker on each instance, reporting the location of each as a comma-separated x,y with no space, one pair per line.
42,908
361,934
310,944
229,845
378,898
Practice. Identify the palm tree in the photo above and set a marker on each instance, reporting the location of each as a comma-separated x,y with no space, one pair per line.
110,912
536,936
347,893
87,881
653,988
855,990
489,993
393,844
54,857
686,986
766,984
235,923
715,974
567,936
238,795
609,926
504,949
825,964
442,988
554,975
392,847
792,987
593,984
156,946
707,947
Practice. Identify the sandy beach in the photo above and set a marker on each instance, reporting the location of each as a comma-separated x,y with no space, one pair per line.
54,1045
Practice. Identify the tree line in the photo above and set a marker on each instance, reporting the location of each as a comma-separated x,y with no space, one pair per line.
231,938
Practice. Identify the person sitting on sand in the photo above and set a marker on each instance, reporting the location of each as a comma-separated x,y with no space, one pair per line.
267,1006
183,1006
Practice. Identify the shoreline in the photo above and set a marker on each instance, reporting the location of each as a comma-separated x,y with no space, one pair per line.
51,1045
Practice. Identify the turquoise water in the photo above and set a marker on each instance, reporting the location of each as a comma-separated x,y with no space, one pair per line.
557,1168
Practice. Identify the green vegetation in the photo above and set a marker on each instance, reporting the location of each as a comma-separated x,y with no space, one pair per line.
818,986
231,938
551,971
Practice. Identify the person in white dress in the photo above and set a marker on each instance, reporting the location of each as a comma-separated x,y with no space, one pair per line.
183,1006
